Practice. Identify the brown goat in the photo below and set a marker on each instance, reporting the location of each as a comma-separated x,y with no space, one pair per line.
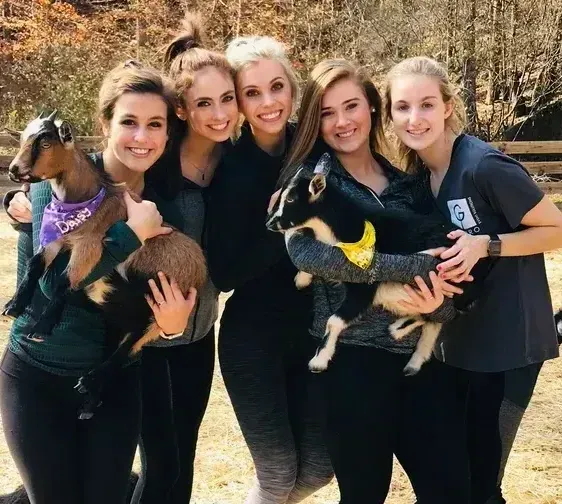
48,152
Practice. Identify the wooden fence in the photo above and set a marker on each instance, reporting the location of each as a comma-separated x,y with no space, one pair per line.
548,173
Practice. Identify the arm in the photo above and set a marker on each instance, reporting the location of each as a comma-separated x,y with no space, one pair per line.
513,194
120,241
320,259
234,254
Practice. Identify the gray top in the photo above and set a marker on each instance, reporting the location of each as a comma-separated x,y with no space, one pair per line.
511,325
325,261
190,203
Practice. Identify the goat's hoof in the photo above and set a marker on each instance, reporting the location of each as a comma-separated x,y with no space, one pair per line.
411,370
34,337
11,311
85,415
317,364
85,384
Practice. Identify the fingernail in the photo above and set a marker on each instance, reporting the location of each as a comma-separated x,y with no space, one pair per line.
160,274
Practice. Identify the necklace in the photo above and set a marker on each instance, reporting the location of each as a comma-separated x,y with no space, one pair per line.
202,171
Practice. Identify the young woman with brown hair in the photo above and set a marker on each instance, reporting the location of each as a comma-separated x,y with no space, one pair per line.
373,410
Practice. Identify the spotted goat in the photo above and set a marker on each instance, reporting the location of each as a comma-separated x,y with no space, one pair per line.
308,201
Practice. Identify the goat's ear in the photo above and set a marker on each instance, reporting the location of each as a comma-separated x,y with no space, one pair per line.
65,134
316,186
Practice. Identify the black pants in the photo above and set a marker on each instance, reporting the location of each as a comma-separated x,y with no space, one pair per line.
61,459
496,404
279,407
176,384
374,411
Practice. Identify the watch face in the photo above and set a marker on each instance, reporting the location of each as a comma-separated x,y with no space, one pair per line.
494,247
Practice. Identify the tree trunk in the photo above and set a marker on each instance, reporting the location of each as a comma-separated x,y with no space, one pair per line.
469,68
492,54
450,25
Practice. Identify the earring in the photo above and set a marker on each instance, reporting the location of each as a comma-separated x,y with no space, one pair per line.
373,110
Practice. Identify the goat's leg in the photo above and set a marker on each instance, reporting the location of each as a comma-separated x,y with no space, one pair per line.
404,326
424,348
358,298
53,312
24,293
86,253
92,384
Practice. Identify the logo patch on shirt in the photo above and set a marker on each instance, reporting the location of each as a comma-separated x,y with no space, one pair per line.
461,213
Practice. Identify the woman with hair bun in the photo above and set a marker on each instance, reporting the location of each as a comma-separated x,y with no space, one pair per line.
177,372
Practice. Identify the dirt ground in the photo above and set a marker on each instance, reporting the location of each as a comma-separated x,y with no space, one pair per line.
223,467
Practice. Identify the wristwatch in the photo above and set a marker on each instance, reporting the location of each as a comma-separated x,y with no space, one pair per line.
494,246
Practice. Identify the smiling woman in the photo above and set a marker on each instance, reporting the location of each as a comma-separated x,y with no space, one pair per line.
495,350
371,404
177,371
38,378
263,340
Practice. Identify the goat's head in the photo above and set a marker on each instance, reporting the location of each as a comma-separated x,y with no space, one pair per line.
301,199
45,146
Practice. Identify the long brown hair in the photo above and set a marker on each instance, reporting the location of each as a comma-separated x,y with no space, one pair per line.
324,75
185,55
426,67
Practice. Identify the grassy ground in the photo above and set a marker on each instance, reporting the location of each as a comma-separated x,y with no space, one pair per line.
223,467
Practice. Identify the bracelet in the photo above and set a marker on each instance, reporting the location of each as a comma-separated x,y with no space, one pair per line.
170,336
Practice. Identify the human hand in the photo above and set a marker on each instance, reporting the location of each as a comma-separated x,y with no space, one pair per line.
424,300
170,308
19,207
144,218
462,256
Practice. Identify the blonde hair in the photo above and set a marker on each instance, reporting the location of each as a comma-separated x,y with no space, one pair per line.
185,55
427,67
242,51
324,75
133,77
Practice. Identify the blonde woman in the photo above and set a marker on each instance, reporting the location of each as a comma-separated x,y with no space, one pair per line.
497,348
264,343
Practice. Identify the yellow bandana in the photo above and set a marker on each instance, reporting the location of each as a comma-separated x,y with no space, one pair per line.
361,253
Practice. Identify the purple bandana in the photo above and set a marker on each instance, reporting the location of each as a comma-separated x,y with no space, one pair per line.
60,218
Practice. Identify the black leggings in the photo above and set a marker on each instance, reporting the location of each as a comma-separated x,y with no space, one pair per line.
374,411
279,407
495,407
176,384
61,459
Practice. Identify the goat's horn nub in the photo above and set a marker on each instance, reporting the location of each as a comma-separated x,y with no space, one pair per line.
42,114
53,115
323,165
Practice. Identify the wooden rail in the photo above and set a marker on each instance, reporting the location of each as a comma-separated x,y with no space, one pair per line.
524,148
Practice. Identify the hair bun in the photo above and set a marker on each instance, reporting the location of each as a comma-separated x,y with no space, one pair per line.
190,37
